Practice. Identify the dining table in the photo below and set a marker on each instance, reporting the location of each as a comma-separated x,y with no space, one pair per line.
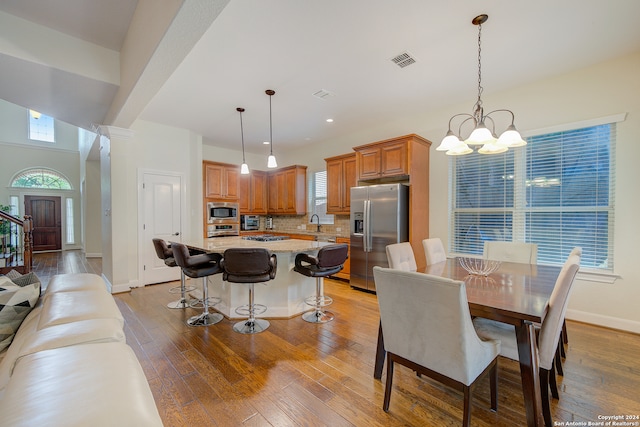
517,294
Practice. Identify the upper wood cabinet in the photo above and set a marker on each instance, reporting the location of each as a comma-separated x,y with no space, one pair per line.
386,159
254,196
405,159
288,191
341,176
221,181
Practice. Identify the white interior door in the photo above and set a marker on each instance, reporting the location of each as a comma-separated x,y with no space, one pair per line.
161,217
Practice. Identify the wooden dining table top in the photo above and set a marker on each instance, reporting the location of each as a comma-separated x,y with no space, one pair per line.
512,294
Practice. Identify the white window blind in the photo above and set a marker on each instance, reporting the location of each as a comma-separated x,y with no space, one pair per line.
318,193
556,192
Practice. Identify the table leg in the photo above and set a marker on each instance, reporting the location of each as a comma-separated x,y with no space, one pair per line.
380,355
527,351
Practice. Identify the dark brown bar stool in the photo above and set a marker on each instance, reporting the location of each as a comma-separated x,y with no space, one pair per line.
330,260
165,253
194,266
250,266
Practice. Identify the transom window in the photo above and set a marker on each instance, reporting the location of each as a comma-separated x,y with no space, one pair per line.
41,127
556,192
41,178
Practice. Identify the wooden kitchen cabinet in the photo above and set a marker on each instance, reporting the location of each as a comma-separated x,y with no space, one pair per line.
345,273
384,159
288,191
403,159
221,181
254,196
341,176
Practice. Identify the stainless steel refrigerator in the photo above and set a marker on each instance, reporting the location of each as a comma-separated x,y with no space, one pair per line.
379,217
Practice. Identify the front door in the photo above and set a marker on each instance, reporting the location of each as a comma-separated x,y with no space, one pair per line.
161,217
47,223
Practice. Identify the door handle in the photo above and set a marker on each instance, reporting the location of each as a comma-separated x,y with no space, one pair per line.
177,233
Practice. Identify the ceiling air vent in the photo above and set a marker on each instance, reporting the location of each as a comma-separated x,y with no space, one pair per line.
403,60
323,94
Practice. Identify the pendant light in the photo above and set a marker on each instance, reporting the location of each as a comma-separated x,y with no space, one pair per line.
271,161
244,169
481,135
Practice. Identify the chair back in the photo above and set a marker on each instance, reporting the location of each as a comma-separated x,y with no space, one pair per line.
426,320
332,256
434,250
400,257
525,253
552,323
248,265
162,249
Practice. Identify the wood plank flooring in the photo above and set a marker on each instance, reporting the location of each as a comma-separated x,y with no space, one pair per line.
299,374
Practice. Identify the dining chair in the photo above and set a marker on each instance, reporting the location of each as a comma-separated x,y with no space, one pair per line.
427,327
548,335
434,250
400,257
525,253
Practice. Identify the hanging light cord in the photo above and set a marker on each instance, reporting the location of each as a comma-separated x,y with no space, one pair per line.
242,137
270,128
478,107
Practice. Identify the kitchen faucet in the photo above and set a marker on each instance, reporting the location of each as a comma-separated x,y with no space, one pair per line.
311,221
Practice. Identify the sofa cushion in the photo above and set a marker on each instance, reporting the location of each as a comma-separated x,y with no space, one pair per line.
29,340
75,282
67,307
83,385
15,304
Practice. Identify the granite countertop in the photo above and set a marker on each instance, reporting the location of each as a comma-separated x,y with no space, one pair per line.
220,244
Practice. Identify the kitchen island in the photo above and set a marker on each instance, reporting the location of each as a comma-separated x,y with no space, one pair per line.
284,296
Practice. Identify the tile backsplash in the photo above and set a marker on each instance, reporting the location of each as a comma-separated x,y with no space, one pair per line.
300,223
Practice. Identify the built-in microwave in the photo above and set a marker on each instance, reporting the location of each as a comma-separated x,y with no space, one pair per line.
222,212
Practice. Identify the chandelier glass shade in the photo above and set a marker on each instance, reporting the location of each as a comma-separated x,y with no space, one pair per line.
271,161
244,169
481,136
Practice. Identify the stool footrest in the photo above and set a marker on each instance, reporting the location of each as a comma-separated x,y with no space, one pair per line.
178,289
246,310
318,301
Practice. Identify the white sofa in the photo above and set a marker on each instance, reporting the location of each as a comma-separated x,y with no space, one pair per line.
68,364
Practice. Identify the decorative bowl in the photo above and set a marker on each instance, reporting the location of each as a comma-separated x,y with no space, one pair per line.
479,266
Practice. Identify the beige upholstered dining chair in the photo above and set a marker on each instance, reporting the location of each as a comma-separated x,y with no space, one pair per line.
434,250
525,253
400,257
548,337
427,327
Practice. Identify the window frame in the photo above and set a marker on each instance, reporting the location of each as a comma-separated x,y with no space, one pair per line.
599,274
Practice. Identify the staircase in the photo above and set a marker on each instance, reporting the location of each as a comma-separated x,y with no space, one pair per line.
16,250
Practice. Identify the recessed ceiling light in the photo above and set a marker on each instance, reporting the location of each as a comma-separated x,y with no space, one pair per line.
329,120
266,143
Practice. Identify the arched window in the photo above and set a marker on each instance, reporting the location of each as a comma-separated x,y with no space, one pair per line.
41,178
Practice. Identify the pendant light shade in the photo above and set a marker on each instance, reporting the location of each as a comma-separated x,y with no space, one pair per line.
244,169
271,161
481,135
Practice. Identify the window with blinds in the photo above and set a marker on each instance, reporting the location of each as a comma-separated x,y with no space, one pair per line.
318,193
556,192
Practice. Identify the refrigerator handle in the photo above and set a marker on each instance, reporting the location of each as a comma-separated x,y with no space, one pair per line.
367,226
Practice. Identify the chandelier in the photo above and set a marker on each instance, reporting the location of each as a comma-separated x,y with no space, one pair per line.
481,135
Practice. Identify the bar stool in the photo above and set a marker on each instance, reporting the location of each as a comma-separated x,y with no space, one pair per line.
251,266
165,253
194,266
330,260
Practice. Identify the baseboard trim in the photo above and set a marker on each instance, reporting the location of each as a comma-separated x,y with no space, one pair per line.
93,255
606,321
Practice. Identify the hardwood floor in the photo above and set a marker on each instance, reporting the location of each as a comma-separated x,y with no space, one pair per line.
300,374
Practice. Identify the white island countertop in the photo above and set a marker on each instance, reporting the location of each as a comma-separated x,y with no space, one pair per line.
220,244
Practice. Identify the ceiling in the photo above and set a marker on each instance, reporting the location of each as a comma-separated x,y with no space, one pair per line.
343,48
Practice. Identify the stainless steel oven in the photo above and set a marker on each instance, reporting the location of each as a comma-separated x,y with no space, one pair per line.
223,219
